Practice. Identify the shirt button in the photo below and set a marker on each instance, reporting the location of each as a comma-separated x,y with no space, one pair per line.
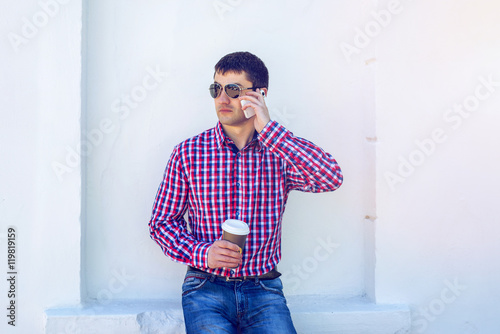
238,184
237,214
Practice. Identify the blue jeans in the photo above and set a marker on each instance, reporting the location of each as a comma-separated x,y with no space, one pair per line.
212,305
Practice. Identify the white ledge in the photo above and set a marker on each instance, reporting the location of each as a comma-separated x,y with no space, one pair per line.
310,313
328,314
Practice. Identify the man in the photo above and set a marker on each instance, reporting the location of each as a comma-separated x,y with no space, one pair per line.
244,168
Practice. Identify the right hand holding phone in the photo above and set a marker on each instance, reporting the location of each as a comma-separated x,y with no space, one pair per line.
257,103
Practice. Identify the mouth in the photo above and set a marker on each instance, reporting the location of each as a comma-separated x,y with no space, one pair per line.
225,110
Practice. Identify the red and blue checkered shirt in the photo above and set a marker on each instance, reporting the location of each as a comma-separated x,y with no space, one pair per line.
210,179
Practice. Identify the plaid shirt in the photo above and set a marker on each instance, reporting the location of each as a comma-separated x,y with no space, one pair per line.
210,179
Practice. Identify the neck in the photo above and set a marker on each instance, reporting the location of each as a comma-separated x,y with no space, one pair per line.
241,136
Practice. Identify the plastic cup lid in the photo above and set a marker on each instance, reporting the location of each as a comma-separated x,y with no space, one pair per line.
235,226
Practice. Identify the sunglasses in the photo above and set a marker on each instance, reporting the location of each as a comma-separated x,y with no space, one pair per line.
232,90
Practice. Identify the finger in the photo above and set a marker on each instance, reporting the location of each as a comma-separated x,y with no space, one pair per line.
228,265
255,95
227,245
226,255
227,262
250,101
217,262
231,255
229,259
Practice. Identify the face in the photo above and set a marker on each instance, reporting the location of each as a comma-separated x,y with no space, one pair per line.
229,110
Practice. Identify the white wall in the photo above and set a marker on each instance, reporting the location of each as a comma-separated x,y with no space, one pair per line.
312,92
40,112
429,242
438,224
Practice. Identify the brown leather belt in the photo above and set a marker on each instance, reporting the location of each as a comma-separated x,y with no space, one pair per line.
267,276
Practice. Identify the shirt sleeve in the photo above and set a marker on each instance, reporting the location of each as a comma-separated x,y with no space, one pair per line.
309,168
167,225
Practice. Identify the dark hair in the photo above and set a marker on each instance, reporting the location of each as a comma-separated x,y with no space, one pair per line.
252,65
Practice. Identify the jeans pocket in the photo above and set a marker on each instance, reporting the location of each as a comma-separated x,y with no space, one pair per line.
193,283
272,285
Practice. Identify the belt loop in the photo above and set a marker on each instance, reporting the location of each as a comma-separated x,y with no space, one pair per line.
212,278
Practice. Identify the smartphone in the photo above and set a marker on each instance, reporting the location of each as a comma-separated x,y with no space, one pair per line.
249,112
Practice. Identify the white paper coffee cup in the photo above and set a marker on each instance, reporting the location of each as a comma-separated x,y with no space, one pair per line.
235,231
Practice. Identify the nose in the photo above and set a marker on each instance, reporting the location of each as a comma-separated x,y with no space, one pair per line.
223,98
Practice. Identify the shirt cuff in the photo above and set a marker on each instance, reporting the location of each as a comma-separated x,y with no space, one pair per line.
272,134
199,257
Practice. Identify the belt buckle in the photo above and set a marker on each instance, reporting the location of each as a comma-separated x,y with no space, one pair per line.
234,279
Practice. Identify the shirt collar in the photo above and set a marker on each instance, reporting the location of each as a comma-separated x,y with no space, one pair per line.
221,138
